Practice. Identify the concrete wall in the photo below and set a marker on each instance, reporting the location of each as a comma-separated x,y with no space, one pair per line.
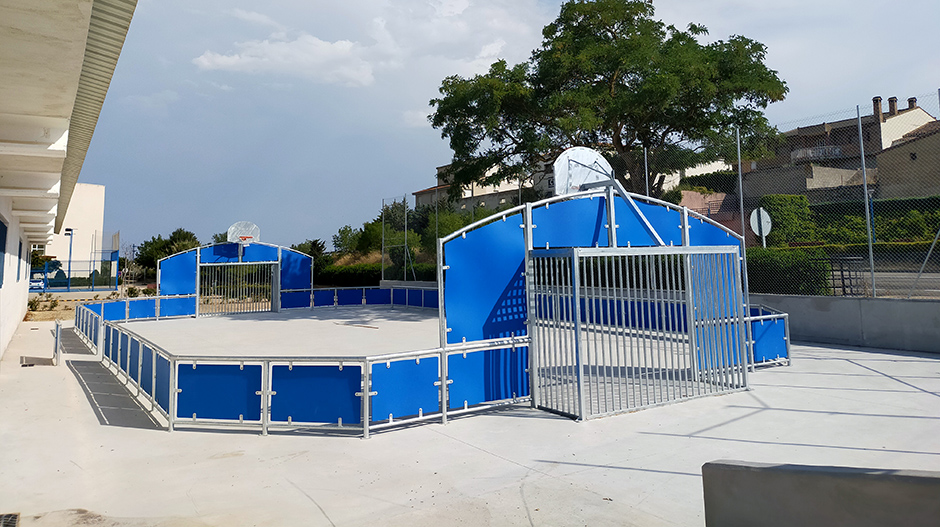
15,288
910,170
890,323
86,217
746,494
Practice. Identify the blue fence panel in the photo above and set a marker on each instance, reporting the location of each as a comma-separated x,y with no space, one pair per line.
134,360
106,342
94,308
257,252
162,388
399,297
703,233
219,253
178,274
95,327
115,346
146,369
177,307
146,308
295,270
573,223
667,222
316,394
349,297
404,387
124,350
324,297
770,340
115,310
485,376
415,297
219,391
295,299
484,290
430,299
378,296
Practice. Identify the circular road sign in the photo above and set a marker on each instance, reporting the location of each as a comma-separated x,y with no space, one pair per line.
760,222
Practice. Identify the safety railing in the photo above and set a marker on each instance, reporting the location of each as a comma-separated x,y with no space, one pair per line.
770,336
395,296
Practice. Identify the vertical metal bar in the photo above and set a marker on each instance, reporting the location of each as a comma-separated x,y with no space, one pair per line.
174,393
366,393
531,284
621,339
442,313
691,329
579,355
871,254
737,135
198,278
611,310
445,393
265,396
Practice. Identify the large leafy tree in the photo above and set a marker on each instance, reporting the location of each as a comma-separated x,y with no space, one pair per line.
610,76
157,247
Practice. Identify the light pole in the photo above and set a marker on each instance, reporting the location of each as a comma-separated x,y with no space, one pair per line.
70,233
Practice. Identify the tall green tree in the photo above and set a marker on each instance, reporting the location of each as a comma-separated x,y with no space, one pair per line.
157,247
610,76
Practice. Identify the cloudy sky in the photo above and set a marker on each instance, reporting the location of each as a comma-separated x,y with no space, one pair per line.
302,115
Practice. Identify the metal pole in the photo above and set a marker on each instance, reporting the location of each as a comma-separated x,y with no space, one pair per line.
383,241
71,233
871,252
646,170
737,135
921,272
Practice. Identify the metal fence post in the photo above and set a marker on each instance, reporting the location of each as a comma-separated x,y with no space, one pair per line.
576,320
871,254
174,393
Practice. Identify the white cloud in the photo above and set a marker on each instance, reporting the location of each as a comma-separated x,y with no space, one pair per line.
450,7
257,18
306,56
416,118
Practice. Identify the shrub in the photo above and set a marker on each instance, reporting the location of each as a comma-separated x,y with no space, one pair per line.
791,217
34,303
133,292
149,291
788,271
356,275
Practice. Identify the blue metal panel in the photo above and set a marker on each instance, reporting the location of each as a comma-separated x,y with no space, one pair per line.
106,342
115,310
572,223
378,296
316,394
484,290
146,308
95,326
430,299
703,233
134,360
295,299
122,354
295,270
115,346
178,274
146,369
163,383
349,297
404,387
484,376
177,307
324,297
415,297
399,297
631,231
257,252
770,342
221,253
667,222
219,391
94,308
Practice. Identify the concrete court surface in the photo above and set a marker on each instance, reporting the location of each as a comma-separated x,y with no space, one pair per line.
351,331
68,458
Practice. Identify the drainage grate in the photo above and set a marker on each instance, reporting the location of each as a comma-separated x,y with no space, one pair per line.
9,520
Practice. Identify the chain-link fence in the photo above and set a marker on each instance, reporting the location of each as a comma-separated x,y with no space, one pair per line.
853,198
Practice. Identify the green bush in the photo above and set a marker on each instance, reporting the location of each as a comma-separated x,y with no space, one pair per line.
791,217
133,292
357,275
788,271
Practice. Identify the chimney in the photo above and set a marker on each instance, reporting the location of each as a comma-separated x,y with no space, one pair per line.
892,105
876,108
912,103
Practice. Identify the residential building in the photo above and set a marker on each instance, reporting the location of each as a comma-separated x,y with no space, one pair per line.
56,63
910,167
488,196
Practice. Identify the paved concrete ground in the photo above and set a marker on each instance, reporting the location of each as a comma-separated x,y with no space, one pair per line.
343,331
69,441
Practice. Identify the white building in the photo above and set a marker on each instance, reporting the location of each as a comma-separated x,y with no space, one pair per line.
85,218
488,196
56,63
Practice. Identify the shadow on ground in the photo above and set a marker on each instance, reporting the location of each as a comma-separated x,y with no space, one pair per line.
109,398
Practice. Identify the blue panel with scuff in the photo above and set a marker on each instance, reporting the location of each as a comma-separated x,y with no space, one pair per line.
146,369
484,290
221,253
399,297
430,299
573,223
178,274
295,270
122,357
770,340
324,297
404,387
134,360
146,308
486,376
415,297
316,394
349,297
163,383
257,252
115,310
295,299
378,296
219,391
177,307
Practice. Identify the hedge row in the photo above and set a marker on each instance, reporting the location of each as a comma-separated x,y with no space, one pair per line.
788,272
369,275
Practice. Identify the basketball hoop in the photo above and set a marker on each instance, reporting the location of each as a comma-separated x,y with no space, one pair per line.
244,233
245,240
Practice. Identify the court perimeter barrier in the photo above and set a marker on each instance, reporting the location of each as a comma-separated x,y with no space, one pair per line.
271,392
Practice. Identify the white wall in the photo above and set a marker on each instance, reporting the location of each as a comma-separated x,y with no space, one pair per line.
86,217
895,126
13,292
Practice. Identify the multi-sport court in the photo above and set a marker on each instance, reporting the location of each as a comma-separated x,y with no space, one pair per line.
588,304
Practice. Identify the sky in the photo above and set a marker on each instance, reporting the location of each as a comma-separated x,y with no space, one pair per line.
303,115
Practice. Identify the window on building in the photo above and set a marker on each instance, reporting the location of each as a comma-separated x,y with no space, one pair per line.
19,262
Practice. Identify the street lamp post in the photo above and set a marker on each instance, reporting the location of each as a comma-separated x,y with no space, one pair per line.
70,233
